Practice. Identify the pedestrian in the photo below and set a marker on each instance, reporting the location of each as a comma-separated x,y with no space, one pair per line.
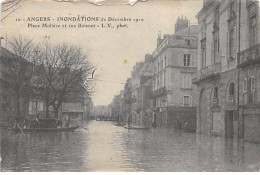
67,124
128,121
15,124
59,123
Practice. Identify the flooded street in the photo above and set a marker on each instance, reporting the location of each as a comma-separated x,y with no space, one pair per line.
107,147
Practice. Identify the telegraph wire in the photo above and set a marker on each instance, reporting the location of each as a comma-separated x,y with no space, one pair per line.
109,81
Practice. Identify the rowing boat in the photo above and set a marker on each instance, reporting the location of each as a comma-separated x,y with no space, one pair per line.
46,129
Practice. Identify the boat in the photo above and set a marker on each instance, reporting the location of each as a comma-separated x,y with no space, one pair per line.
45,129
135,127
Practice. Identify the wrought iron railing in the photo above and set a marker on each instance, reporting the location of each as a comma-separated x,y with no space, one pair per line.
207,71
250,55
231,99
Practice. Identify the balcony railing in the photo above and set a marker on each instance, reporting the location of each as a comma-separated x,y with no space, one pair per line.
230,99
207,72
161,91
214,101
249,56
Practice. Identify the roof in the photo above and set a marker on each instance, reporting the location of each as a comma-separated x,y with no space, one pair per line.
10,55
188,31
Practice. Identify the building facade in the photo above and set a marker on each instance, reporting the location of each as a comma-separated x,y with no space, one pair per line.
227,31
8,98
248,63
174,63
141,73
126,102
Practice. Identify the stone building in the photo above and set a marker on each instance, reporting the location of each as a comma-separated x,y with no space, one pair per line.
141,73
174,63
8,100
225,28
248,63
126,101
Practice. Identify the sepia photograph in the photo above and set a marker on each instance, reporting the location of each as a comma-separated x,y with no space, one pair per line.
129,86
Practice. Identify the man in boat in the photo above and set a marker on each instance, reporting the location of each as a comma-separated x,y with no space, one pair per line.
59,123
67,124
15,124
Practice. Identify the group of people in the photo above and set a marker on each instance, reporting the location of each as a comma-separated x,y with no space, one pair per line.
36,122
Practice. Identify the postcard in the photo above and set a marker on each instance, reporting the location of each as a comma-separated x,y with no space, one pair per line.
130,86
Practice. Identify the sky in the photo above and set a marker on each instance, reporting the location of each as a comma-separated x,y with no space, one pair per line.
112,51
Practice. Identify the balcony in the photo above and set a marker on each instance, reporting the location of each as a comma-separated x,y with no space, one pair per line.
249,56
161,91
210,71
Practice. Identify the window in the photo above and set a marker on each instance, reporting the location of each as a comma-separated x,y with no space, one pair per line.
216,19
245,85
203,29
186,60
187,101
165,59
187,42
253,30
186,81
158,66
215,92
164,79
231,89
215,95
252,83
232,44
232,10
203,54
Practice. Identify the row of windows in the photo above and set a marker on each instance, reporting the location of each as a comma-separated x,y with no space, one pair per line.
187,60
231,35
160,81
160,65
248,85
186,101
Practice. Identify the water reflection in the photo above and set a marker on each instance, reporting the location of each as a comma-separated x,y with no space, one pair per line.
106,147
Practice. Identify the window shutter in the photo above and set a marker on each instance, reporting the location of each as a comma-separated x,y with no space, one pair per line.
180,60
227,48
189,81
193,61
212,52
235,41
182,80
252,83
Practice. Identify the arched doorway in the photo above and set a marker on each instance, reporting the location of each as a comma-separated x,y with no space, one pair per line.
203,106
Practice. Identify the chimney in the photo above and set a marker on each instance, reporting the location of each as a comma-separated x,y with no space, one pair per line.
159,39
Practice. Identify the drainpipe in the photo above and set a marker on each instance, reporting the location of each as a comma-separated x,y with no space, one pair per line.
240,134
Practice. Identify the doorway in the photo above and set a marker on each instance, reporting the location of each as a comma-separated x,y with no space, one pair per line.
229,127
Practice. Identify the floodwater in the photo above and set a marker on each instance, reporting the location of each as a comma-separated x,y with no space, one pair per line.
107,147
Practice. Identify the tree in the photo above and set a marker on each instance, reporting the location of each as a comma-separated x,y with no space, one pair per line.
19,68
63,72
